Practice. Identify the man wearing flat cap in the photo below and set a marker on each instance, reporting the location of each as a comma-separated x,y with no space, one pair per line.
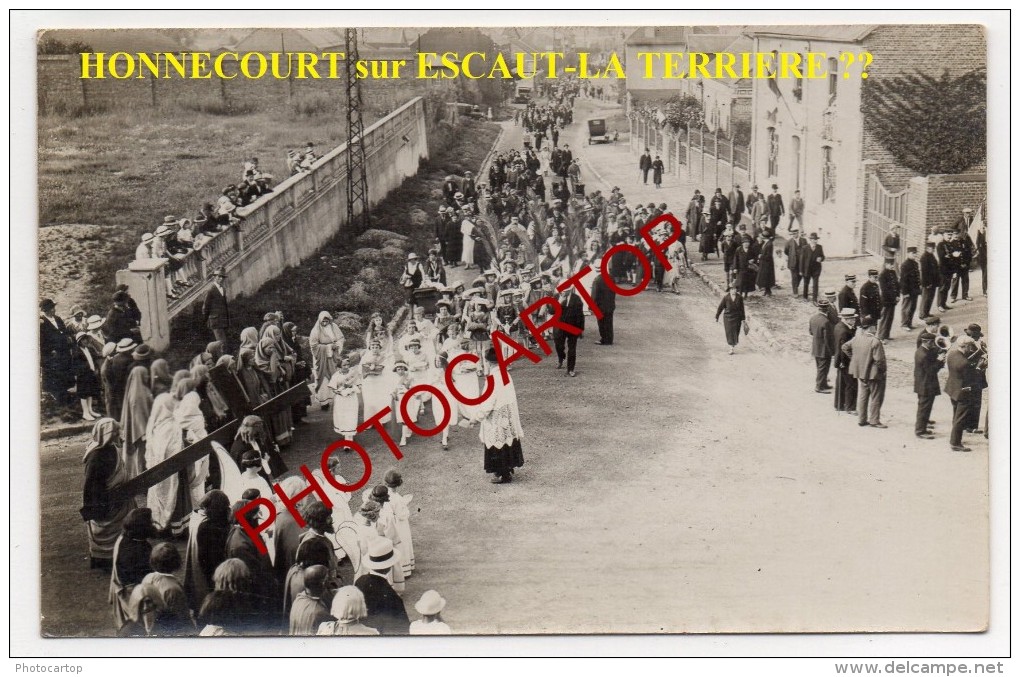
931,279
871,296
821,346
214,308
868,366
910,287
889,290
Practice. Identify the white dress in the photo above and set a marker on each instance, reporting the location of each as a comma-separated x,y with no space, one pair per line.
465,378
345,388
375,386
401,515
468,251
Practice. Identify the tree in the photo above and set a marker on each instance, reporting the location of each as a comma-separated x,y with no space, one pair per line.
54,46
683,110
930,125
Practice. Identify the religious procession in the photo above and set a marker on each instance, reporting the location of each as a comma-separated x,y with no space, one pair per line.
342,573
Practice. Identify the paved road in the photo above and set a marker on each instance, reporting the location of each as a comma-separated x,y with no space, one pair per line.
669,488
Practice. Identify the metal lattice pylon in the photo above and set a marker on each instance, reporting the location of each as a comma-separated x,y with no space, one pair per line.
357,179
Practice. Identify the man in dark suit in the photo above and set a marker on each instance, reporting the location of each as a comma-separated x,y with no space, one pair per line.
774,206
214,307
821,346
889,290
949,265
847,296
966,246
566,342
811,258
910,287
931,328
386,612
120,321
736,199
871,297
605,299
846,385
981,254
792,252
55,346
930,279
644,165
964,386
927,362
964,221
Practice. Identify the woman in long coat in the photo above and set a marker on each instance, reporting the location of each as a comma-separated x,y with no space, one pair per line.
272,369
746,267
766,278
104,516
707,243
327,343
731,307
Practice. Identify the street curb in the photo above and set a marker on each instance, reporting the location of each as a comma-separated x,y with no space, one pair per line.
758,330
65,430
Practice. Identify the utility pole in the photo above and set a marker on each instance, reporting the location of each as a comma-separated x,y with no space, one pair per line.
357,180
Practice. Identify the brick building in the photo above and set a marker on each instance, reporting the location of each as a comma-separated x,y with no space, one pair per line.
811,134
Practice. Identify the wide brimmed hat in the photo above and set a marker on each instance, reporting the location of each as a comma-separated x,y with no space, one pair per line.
142,352
162,231
169,220
848,312
412,257
94,322
430,604
126,345
414,342
147,238
381,555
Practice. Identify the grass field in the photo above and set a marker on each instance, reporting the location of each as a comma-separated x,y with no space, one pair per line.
130,169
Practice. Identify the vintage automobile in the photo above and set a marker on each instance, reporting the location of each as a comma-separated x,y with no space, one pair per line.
597,132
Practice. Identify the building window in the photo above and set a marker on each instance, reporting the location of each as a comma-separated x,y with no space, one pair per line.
828,175
833,78
798,83
773,152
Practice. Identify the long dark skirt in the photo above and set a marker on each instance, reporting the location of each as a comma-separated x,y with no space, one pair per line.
732,328
845,392
501,460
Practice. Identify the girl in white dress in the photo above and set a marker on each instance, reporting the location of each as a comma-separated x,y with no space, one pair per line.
413,405
401,514
375,390
345,384
465,377
437,378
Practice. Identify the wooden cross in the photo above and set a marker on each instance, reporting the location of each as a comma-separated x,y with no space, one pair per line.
227,385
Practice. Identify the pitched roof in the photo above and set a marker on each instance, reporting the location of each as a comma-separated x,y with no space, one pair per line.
847,33
293,39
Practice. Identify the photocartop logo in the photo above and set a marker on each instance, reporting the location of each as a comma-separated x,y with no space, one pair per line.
499,341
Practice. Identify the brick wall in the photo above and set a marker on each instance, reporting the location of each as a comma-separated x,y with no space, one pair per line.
947,195
904,49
